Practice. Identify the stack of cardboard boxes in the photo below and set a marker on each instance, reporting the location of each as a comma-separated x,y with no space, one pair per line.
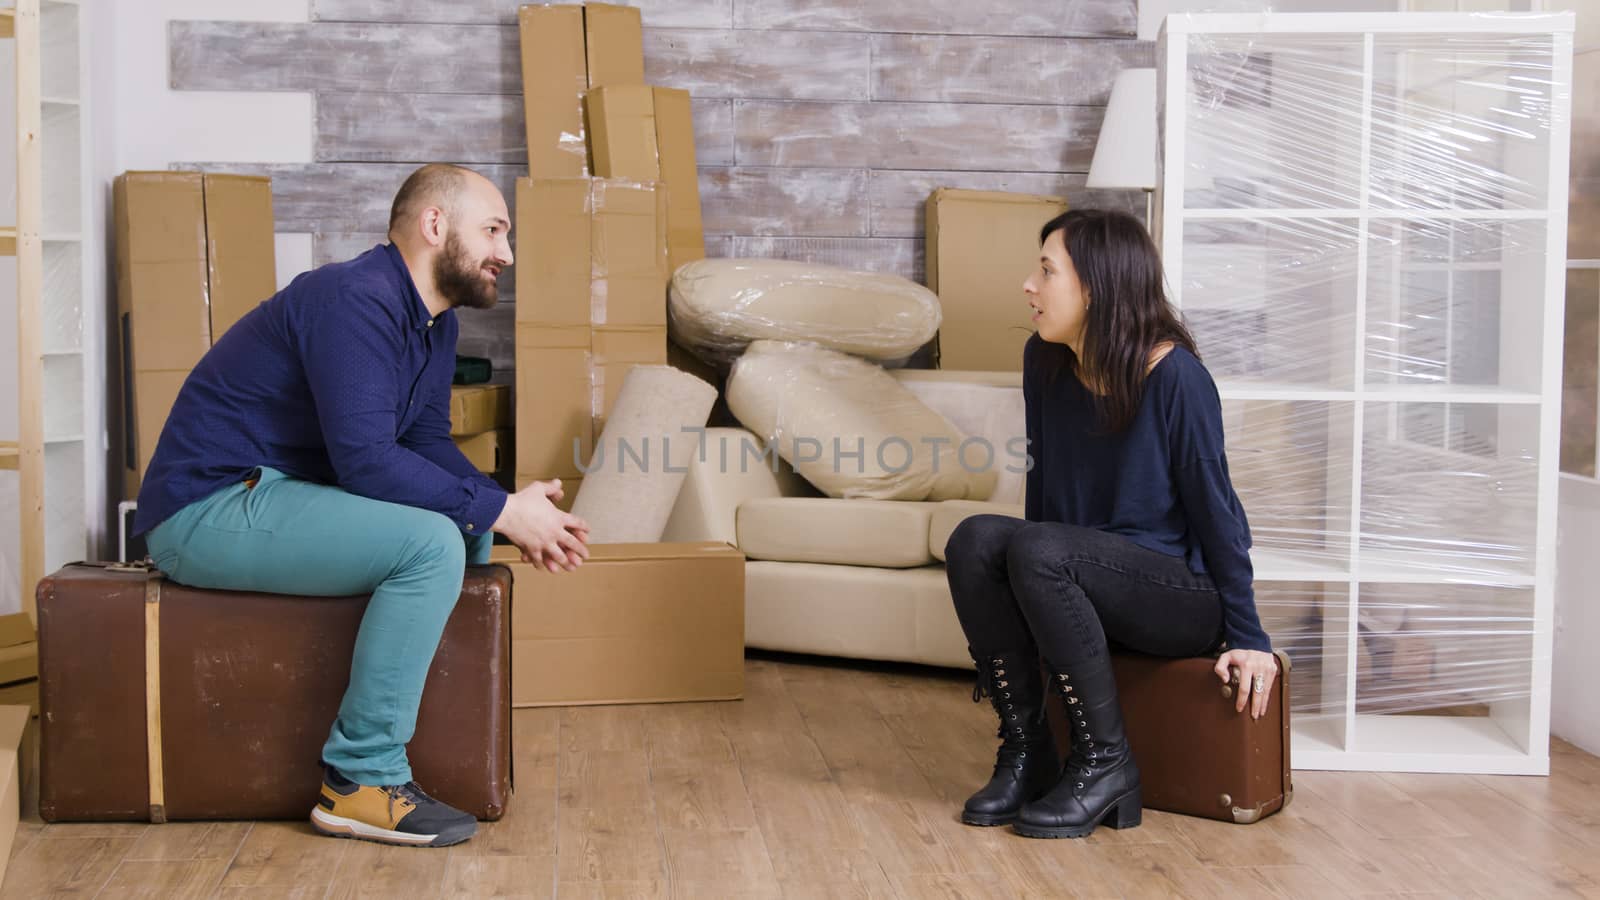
194,254
480,424
610,208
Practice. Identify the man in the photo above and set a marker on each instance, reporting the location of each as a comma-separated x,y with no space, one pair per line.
309,453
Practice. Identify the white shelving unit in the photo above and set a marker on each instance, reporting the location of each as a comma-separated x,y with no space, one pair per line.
54,336
1371,258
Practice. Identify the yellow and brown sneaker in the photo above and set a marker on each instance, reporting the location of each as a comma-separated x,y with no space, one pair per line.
396,814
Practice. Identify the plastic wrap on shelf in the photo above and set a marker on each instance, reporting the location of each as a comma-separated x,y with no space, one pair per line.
1362,258
848,427
717,307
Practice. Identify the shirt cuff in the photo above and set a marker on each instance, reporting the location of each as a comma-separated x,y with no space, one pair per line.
483,510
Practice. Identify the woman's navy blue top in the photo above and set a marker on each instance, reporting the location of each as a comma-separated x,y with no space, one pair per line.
1162,482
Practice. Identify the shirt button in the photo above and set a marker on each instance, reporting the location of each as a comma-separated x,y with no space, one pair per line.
470,526
430,323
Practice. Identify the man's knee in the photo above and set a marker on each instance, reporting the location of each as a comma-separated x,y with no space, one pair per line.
438,541
980,540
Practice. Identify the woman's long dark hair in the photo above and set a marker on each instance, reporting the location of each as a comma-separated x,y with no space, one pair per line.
1128,315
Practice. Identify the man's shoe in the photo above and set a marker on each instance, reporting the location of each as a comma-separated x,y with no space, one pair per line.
397,814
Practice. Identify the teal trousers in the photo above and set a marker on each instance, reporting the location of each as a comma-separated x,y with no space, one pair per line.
288,536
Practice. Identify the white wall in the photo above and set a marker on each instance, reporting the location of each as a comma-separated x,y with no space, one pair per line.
1575,702
154,126
139,122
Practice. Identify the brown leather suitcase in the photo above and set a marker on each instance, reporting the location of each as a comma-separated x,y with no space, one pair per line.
230,723
1196,755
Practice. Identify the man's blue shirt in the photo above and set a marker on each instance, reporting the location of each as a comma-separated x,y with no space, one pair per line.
341,378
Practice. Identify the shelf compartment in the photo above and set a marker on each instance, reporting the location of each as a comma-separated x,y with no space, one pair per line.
1290,462
1464,650
1443,326
66,529
1461,121
1449,492
58,57
1310,621
1273,121
62,305
63,397
61,148
1421,744
1273,302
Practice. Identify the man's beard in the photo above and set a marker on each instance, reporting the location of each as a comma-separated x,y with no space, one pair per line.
460,280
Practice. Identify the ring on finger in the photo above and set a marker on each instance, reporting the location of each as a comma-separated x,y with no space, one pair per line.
1259,684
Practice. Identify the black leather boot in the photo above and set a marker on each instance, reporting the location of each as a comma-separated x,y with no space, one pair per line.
1101,781
1027,764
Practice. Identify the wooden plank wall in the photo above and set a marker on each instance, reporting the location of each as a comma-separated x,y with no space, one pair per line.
821,125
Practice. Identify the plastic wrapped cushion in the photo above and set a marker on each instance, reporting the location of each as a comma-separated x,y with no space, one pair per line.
848,427
718,306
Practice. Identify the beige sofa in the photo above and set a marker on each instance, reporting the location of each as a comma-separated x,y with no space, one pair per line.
854,578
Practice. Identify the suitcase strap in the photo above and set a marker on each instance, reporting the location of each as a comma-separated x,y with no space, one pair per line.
152,695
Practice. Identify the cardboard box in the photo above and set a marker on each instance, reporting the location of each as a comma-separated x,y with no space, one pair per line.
637,623
646,134
554,401
162,273
614,37
14,752
615,351
554,77
981,247
149,398
686,239
553,268
488,452
622,132
194,253
566,50
23,693
476,408
239,225
569,488
19,661
628,286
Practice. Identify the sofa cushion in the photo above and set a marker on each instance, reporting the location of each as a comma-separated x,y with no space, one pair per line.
848,427
856,611
986,407
947,515
718,306
888,533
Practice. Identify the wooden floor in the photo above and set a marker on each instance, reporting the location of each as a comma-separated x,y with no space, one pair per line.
831,781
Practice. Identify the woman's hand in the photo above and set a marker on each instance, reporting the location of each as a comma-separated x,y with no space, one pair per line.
1257,672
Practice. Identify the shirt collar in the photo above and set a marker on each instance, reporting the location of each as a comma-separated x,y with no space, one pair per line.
417,316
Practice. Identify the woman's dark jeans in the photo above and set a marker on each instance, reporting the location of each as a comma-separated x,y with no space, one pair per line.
1064,593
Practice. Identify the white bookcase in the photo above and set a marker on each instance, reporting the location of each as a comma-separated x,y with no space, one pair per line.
1363,218
57,426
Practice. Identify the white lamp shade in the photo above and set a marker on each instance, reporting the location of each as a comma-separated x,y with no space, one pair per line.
1125,155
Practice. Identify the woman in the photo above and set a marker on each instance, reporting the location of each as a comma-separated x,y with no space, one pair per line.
1133,538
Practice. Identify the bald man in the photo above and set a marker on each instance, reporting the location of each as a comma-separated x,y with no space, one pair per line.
309,453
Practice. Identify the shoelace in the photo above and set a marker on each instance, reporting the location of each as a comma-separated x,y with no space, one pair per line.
409,792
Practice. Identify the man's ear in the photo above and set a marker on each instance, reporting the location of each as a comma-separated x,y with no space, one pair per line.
433,226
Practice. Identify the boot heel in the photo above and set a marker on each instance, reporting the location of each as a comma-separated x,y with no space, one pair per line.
1128,812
